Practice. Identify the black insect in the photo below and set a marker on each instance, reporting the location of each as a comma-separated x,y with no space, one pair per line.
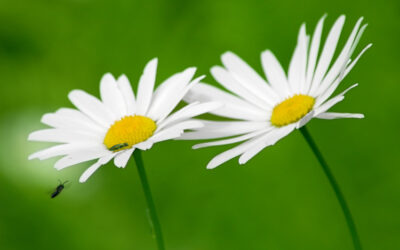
58,189
118,146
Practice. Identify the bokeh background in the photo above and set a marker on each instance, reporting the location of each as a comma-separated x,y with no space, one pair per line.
279,200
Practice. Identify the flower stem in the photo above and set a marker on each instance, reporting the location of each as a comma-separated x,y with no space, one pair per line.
335,186
150,203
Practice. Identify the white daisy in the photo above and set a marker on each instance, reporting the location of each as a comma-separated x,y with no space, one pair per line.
118,124
268,110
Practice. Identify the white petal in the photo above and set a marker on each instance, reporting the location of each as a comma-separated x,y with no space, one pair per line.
251,152
82,156
350,67
126,90
275,74
340,62
170,104
323,98
333,115
188,112
297,67
312,58
266,141
303,121
226,79
92,107
327,53
94,167
329,104
78,121
121,159
231,140
326,94
219,129
88,172
63,149
233,106
146,86
171,92
81,118
111,96
170,87
176,115
144,145
359,34
175,130
233,152
63,135
249,78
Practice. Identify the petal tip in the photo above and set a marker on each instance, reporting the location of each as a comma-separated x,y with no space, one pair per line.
213,69
153,62
122,77
189,72
211,165
266,53
151,66
74,93
107,76
32,136
198,79
227,55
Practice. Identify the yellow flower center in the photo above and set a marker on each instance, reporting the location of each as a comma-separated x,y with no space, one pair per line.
291,110
129,131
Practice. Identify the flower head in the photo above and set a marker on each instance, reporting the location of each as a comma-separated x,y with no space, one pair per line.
119,123
268,110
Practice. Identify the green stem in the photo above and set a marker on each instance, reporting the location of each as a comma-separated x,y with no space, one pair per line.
150,203
335,186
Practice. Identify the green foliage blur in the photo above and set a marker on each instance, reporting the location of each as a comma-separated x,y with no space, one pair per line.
279,200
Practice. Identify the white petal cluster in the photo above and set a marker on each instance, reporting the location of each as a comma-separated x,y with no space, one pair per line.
81,131
250,99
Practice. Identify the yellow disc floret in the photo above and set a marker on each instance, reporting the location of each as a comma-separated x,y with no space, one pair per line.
129,131
291,110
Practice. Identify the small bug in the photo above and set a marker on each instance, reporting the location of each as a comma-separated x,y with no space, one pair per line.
118,146
58,189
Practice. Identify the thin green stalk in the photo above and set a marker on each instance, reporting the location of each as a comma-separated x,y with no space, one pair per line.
150,203
335,186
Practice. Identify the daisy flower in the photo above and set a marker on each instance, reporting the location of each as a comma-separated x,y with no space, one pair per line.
119,123
266,110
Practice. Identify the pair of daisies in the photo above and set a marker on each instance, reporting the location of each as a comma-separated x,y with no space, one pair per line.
260,111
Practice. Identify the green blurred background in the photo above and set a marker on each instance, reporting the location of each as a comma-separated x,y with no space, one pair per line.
279,200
